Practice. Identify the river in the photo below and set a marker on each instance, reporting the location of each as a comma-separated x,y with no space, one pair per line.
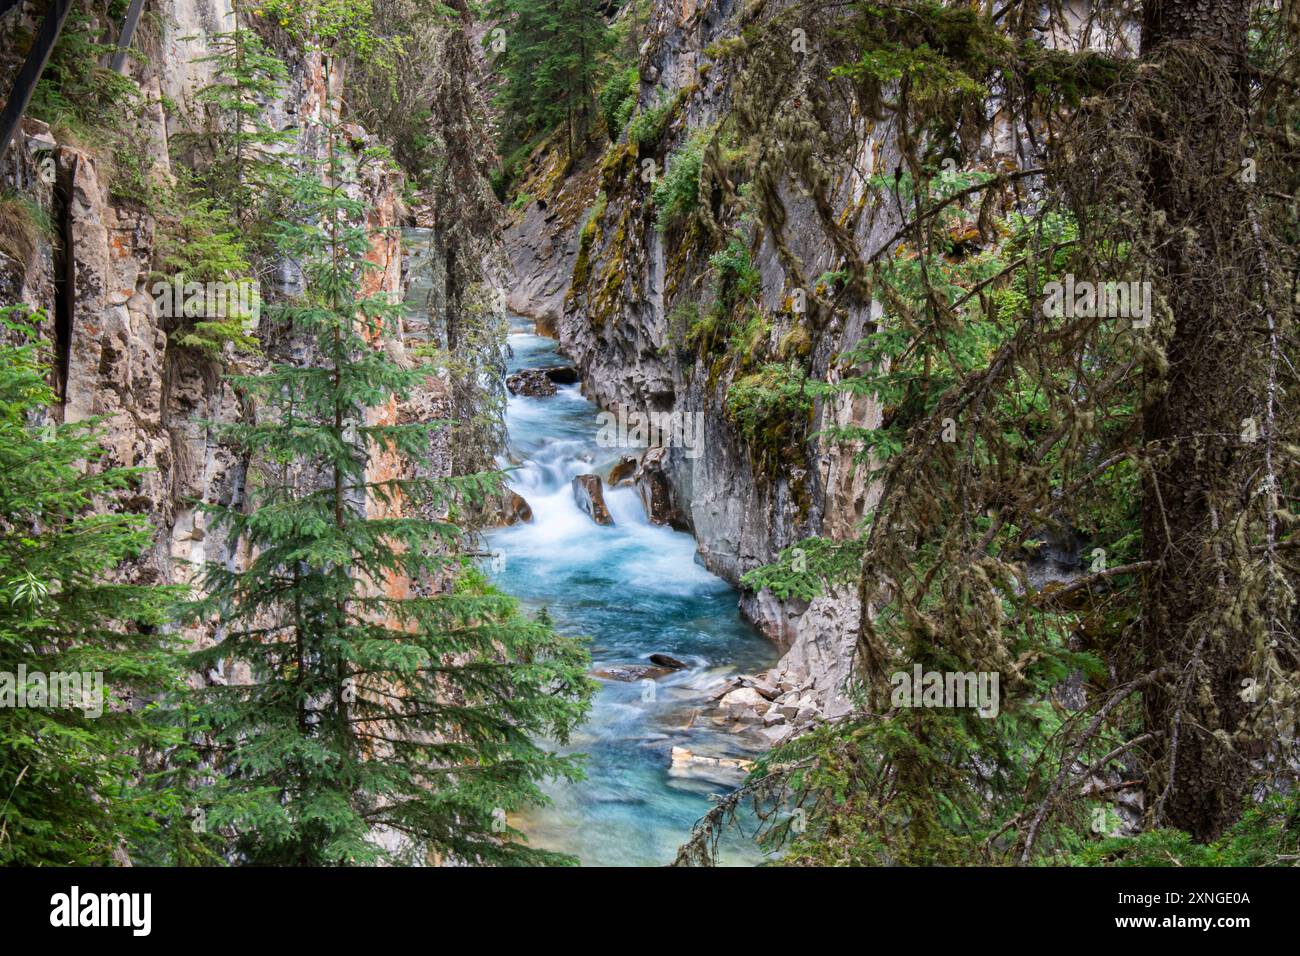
634,589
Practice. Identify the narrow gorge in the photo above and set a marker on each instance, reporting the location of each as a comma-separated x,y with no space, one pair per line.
647,432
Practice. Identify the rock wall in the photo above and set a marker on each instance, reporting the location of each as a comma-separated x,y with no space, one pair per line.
93,272
627,283
617,324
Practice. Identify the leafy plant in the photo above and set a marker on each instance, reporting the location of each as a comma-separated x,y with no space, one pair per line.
617,100
677,194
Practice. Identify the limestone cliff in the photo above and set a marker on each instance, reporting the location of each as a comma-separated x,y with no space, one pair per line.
626,283
94,269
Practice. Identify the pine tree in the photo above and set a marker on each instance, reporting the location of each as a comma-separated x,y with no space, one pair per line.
393,697
215,230
552,63
245,171
70,789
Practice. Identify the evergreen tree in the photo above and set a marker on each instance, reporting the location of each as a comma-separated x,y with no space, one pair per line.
552,64
246,168
216,230
69,769
391,693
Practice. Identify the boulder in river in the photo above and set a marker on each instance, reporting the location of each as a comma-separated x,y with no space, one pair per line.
531,381
663,660
623,471
590,496
656,491
720,768
506,508
514,509
630,673
561,374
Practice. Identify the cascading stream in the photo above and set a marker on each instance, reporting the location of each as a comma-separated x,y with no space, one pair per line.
634,589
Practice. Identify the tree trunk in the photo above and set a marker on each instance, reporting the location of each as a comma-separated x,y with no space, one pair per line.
1198,416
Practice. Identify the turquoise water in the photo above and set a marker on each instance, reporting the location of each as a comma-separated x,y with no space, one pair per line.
634,589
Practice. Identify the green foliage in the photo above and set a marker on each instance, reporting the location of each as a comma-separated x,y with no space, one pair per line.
339,27
1268,834
649,125
70,778
771,409
801,571
936,331
75,89
551,66
382,698
198,243
89,104
618,99
587,238
936,53
677,194
244,165
23,223
215,224
392,91
684,316
509,168
907,785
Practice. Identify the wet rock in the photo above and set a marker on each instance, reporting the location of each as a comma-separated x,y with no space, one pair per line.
730,684
687,763
765,687
590,496
630,673
532,382
655,489
561,374
663,660
512,509
623,471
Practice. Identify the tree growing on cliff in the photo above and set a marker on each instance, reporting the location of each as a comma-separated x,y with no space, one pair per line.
244,161
550,57
81,655
393,699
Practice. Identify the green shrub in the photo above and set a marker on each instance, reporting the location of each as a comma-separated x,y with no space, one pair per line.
618,100
681,320
677,194
1268,834
199,244
648,126
770,409
23,223
738,281
503,178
